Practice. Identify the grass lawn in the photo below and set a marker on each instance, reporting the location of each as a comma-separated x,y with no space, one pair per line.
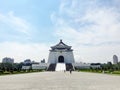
104,72
20,72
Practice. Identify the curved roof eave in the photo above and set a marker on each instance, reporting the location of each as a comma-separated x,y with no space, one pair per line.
61,45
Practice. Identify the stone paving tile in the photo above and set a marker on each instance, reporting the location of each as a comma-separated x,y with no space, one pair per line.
60,81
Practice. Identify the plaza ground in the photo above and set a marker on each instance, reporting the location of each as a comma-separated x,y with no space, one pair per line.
60,81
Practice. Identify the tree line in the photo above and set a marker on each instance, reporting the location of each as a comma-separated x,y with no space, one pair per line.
104,68
10,68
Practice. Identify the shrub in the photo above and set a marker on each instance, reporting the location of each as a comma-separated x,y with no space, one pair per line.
1,71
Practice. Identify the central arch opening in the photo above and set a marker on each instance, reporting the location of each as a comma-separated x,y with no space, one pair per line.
61,59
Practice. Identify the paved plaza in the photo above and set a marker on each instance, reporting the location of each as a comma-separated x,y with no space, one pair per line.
60,81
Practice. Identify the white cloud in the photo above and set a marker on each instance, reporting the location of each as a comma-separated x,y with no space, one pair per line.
14,23
92,28
20,24
15,36
14,28
21,51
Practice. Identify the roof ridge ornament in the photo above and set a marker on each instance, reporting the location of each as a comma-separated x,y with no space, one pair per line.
61,46
60,40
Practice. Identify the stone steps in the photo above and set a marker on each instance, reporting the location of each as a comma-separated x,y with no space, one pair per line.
51,67
60,67
67,67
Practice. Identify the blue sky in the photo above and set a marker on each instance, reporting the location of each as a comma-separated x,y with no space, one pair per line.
29,27
36,13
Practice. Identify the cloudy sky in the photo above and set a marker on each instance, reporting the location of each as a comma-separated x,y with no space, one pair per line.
29,27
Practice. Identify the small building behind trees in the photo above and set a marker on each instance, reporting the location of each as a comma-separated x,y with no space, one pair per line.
115,59
8,60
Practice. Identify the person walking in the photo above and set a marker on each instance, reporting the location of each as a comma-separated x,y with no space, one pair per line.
70,71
